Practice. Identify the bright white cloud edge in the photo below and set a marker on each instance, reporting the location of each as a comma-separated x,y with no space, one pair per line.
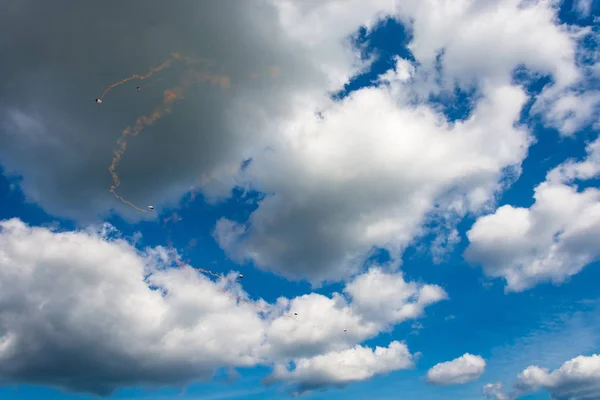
371,169
552,240
86,311
576,379
461,370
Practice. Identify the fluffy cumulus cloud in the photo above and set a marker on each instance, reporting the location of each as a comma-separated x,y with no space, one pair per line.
463,369
369,304
370,169
550,241
341,368
352,191
465,31
383,297
576,379
86,311
575,105
79,311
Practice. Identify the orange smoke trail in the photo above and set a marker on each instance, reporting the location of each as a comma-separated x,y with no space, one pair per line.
142,122
143,87
167,63
168,98
182,264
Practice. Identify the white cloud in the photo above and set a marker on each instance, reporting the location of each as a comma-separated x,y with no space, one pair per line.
494,391
583,170
583,7
572,107
550,241
569,110
376,301
318,328
341,368
77,311
324,27
463,369
86,311
466,31
576,379
366,175
370,169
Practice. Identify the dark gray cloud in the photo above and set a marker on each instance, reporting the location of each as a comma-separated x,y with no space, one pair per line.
60,56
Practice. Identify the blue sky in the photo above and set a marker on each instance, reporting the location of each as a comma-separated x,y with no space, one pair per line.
516,300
